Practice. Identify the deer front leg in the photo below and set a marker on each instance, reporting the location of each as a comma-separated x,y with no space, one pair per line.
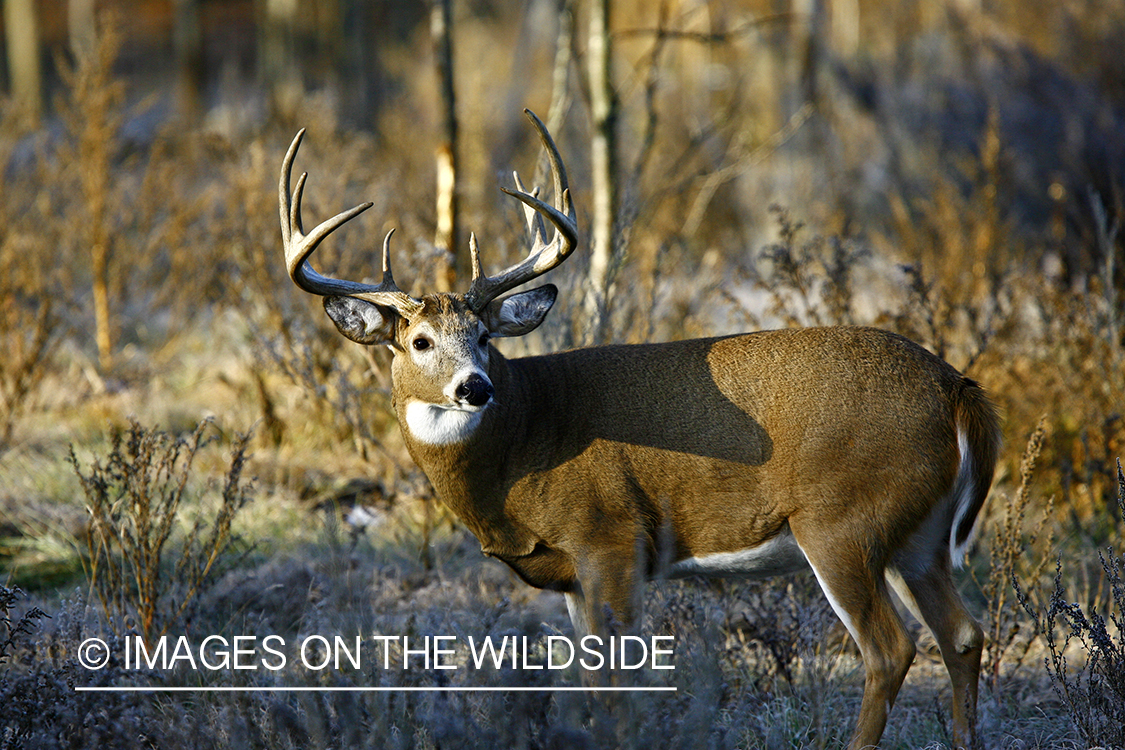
605,599
579,620
599,607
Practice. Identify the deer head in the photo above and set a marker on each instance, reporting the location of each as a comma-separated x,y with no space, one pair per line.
440,341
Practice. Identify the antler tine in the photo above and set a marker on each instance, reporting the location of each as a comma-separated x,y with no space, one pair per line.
534,220
387,291
558,170
388,277
299,246
543,255
474,257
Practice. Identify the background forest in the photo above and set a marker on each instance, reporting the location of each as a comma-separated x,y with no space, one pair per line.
187,446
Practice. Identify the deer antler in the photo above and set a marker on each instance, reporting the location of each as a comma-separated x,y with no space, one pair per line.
544,254
299,246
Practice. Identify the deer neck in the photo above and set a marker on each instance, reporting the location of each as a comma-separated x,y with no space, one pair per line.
473,475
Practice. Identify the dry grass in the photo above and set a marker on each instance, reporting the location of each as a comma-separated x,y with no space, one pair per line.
135,498
945,217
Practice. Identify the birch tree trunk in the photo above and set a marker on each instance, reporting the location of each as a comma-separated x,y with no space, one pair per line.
21,28
603,161
445,234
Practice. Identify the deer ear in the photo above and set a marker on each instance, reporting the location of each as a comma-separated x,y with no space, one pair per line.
520,313
362,322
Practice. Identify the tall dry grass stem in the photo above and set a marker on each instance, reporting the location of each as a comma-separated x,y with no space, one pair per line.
1085,645
135,501
93,112
1015,552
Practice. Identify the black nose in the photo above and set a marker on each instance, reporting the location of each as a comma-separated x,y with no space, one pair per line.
476,390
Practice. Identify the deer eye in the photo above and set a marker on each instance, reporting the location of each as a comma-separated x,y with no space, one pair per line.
421,344
483,342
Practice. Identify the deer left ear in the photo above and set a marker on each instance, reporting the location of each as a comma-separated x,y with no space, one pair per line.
520,313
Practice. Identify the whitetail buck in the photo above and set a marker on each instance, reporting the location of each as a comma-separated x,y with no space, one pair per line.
851,451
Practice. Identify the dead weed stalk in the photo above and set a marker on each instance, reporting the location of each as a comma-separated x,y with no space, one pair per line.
134,500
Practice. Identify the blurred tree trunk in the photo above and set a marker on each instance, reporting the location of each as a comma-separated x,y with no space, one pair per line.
560,76
603,162
845,28
21,28
187,40
445,236
277,63
360,69
816,52
329,43
81,23
815,85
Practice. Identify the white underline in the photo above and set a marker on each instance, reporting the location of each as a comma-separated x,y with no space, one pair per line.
436,689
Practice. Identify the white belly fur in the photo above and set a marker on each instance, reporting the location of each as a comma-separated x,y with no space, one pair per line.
778,556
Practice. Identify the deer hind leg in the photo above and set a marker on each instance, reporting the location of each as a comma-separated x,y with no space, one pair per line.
857,589
929,592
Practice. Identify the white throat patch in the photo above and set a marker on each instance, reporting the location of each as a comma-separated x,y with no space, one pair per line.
434,424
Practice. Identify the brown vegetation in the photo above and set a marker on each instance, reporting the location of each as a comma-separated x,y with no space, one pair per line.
955,174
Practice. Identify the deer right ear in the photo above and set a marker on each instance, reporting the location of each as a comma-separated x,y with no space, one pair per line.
362,322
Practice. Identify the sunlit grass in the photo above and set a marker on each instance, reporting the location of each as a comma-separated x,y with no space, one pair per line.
946,244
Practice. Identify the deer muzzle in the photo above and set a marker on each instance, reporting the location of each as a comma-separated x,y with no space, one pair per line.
475,390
